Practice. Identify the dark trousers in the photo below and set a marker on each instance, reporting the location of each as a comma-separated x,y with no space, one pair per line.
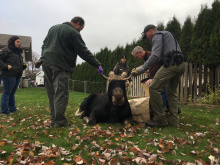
164,97
10,86
168,77
57,87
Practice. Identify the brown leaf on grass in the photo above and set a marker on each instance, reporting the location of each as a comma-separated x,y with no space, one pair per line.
117,139
31,153
153,158
78,159
161,144
173,152
74,147
3,126
114,161
170,145
2,143
200,162
10,160
139,160
135,150
49,163
152,151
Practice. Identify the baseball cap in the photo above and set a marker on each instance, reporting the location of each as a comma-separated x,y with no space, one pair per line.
123,56
148,27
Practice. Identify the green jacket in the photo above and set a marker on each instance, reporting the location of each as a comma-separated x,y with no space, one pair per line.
61,46
8,57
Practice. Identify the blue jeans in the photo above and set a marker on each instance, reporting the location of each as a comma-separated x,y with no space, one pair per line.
10,86
164,97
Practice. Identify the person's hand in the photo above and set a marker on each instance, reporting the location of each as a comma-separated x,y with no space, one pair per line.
146,72
9,67
100,70
148,81
24,66
134,72
38,64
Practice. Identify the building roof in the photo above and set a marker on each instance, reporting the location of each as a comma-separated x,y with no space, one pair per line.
25,44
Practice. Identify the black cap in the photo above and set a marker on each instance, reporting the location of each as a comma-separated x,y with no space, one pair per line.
148,27
123,56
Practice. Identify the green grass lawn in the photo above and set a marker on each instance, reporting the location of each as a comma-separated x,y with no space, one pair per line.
26,139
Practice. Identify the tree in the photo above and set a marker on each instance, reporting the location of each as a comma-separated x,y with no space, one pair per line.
160,26
201,36
31,70
186,36
174,27
215,35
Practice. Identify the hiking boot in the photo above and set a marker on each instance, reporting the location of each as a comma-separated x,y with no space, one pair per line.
167,110
179,110
153,123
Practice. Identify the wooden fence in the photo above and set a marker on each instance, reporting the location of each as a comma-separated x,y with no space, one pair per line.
193,83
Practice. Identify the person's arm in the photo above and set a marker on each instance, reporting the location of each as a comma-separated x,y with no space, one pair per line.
83,51
157,46
45,41
116,69
153,70
3,66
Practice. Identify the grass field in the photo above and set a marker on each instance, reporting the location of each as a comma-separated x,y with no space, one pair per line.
25,137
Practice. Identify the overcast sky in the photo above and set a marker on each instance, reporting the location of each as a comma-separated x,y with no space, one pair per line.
108,23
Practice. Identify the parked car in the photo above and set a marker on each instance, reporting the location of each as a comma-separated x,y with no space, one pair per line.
40,79
32,82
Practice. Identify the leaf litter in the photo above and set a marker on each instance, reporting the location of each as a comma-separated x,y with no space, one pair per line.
109,145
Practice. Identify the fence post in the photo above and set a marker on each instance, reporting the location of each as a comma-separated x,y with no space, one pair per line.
217,73
200,81
73,85
85,86
186,82
195,82
190,80
205,79
211,77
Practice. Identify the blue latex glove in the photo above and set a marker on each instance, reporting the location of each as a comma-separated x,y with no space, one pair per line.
100,70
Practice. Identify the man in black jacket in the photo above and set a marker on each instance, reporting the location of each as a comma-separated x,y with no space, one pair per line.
59,52
121,68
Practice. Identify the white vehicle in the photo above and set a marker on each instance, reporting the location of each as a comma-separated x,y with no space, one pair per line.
40,78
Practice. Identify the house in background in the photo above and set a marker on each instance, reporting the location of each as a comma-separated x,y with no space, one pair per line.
25,46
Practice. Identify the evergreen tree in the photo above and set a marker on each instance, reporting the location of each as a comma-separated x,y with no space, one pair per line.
174,27
215,35
186,36
160,26
201,36
199,42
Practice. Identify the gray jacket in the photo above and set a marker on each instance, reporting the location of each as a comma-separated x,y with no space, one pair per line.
162,42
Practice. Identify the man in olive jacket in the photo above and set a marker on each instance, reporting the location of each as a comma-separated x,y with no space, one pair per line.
59,52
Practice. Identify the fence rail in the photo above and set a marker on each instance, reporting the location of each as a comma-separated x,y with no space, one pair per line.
86,86
193,83
192,86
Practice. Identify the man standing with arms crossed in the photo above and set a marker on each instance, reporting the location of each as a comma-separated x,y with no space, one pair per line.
165,48
59,52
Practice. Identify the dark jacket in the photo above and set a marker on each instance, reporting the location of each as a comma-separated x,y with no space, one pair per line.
120,68
61,46
8,57
153,70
